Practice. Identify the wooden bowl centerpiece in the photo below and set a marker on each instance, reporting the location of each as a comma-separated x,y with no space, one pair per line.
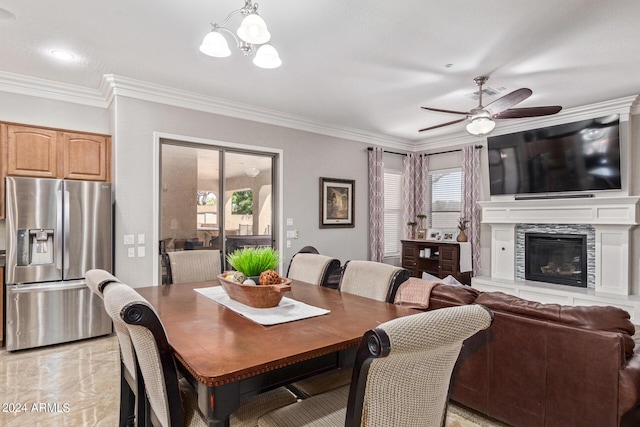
258,296
266,287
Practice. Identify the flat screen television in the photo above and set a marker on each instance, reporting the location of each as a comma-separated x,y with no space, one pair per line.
572,157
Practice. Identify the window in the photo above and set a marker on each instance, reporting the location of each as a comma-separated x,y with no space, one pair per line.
392,212
445,198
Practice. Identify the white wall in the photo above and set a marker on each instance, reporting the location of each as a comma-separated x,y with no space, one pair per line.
306,158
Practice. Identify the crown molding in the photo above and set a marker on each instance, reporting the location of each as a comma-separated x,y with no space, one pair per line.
42,88
114,85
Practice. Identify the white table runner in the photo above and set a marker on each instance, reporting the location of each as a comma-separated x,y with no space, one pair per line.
287,311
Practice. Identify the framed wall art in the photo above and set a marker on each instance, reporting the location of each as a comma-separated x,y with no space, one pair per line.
337,203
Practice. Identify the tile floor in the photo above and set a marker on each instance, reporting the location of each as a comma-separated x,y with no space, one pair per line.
78,385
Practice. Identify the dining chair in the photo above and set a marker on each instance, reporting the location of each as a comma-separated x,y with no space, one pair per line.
372,279
192,266
312,268
400,378
132,396
172,401
369,279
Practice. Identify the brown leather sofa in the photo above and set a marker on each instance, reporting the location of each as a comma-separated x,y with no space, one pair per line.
546,364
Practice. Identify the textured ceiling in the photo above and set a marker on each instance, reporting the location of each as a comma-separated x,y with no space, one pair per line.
365,65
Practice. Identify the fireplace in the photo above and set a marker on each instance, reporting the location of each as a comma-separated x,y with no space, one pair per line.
556,258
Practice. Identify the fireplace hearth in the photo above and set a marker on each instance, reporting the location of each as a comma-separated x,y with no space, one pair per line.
556,258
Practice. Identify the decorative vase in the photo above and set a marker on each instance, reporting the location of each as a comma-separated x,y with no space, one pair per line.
462,237
412,232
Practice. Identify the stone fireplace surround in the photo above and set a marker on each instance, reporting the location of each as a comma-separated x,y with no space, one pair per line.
610,218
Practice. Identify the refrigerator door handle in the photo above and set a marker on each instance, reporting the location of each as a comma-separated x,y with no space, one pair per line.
46,287
64,219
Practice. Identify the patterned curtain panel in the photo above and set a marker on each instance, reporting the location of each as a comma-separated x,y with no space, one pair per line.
470,195
408,201
376,204
416,171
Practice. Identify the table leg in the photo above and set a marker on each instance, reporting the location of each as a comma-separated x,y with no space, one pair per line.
217,403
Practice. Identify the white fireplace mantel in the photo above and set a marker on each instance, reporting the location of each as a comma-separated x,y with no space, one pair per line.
611,217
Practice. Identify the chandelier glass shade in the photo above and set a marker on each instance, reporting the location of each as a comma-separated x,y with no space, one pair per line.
252,36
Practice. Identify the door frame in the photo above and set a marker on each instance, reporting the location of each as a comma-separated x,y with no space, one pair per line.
277,190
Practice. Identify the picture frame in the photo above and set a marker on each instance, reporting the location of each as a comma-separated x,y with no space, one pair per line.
337,206
421,234
449,235
434,234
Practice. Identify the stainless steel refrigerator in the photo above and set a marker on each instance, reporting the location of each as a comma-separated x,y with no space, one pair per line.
56,230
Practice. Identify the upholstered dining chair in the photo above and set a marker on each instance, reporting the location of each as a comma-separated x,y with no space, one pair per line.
372,279
132,396
312,268
401,375
192,266
172,402
369,279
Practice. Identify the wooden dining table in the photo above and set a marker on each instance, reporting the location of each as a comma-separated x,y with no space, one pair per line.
225,356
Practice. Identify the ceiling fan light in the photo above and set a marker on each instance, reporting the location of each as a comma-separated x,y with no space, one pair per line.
267,57
214,44
253,30
481,126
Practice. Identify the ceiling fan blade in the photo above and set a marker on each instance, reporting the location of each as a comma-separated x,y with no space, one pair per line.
507,101
443,125
439,110
517,113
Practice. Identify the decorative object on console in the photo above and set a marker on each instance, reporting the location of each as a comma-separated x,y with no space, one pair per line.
434,234
252,38
449,235
337,203
422,234
481,118
412,229
462,225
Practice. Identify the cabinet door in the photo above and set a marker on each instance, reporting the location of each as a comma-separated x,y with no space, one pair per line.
85,157
409,256
31,151
448,261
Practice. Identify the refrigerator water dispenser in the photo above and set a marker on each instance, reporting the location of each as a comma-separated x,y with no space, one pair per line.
35,247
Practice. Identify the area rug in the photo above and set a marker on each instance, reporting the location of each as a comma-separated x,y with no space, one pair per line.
461,416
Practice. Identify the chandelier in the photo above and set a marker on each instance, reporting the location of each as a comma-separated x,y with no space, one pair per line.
252,38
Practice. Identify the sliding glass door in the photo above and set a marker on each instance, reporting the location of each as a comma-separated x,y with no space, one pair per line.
215,198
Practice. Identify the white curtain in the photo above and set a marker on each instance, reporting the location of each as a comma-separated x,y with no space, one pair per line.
470,194
416,174
376,204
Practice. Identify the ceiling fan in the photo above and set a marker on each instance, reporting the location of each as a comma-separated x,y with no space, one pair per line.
481,118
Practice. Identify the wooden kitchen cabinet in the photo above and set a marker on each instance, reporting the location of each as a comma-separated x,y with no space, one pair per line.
443,259
52,153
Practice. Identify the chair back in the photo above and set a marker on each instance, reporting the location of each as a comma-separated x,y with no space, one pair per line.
312,268
97,280
154,355
403,368
372,279
193,266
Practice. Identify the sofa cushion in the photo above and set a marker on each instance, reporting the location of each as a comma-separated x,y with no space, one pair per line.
597,318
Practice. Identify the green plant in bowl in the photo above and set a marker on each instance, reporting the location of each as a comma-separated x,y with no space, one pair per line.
253,261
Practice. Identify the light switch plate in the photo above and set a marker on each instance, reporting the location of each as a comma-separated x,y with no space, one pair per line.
141,251
141,239
128,239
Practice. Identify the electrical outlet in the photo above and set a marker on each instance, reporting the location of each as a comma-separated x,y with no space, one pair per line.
131,252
